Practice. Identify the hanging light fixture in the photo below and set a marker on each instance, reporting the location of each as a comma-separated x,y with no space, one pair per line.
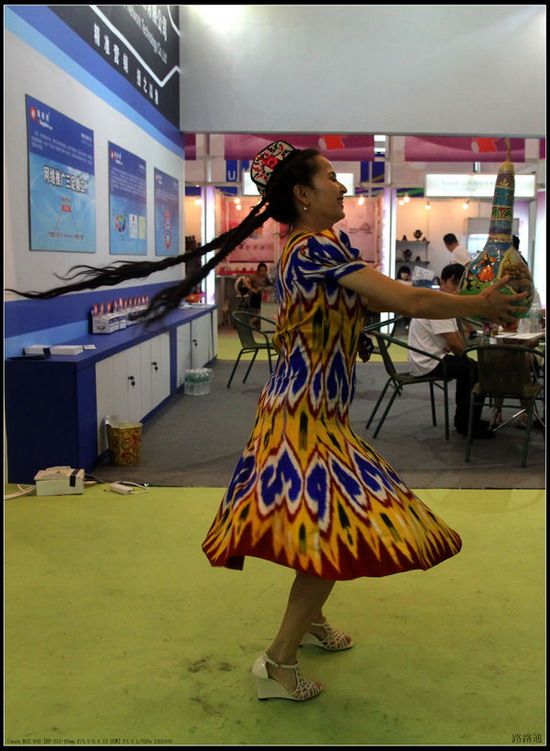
466,204
427,205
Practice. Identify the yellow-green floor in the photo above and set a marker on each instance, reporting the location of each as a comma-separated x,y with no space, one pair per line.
118,631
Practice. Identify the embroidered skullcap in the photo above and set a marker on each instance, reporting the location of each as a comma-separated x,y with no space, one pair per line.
265,162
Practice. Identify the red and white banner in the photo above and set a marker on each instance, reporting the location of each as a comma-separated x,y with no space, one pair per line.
190,145
445,149
334,147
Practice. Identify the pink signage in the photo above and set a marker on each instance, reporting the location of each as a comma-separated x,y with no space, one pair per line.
260,245
335,147
444,149
190,145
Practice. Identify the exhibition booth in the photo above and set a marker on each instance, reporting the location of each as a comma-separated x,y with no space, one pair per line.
401,200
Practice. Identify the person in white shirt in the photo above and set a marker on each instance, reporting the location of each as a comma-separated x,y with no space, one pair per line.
444,339
458,253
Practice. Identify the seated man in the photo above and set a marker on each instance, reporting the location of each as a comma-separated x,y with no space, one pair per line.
444,339
458,253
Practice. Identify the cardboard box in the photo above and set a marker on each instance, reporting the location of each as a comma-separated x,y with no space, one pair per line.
108,323
54,349
37,349
59,481
66,349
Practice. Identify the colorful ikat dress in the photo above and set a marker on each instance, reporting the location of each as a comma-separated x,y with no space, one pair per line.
307,492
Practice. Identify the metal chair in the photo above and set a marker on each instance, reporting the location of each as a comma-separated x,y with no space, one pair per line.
242,294
248,334
399,379
505,372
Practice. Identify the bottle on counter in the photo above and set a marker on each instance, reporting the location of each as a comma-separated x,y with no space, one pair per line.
535,317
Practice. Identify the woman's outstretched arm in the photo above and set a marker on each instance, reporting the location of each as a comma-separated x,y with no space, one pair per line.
388,295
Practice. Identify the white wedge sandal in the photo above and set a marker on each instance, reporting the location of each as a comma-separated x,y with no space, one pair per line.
269,688
333,641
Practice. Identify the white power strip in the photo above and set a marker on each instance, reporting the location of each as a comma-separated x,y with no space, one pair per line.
118,487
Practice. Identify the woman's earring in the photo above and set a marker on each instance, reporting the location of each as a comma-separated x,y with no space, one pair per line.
305,208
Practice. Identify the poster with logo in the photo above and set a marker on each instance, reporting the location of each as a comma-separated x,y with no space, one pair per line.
166,214
62,210
127,203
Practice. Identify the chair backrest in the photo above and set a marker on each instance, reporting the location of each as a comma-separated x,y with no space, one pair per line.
245,329
383,345
503,369
241,289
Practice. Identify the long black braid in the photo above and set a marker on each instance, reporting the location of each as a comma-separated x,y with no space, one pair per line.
92,277
169,298
277,204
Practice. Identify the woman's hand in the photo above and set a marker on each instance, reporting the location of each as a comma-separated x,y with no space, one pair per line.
499,307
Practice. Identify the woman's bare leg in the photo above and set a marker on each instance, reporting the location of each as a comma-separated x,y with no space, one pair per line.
307,597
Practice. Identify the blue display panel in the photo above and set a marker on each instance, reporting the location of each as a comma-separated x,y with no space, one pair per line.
62,212
166,214
127,202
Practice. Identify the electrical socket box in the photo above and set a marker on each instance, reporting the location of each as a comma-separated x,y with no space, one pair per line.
118,487
59,481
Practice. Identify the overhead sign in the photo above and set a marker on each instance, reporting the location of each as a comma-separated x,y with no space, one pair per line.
141,42
474,149
475,186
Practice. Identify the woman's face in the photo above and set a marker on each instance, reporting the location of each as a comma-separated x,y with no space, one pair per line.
324,199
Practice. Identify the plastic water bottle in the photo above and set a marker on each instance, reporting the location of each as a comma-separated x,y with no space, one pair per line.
203,378
190,383
534,317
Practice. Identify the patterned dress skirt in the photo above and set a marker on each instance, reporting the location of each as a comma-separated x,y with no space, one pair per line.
307,492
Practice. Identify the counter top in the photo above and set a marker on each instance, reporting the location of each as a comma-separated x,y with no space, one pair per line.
107,345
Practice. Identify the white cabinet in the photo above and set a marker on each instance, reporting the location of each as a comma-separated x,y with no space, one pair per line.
202,345
183,352
132,383
155,372
196,344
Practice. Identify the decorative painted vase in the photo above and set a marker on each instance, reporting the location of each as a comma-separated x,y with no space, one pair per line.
499,257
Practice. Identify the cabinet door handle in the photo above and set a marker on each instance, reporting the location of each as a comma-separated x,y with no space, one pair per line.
132,380
155,365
